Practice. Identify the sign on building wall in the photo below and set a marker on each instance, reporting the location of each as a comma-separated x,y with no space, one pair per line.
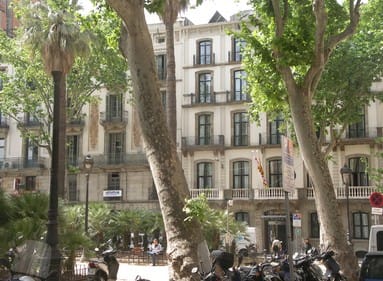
288,164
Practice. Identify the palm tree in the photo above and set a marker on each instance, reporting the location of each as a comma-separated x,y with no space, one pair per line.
52,29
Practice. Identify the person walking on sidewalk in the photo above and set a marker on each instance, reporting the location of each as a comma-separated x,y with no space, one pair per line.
154,249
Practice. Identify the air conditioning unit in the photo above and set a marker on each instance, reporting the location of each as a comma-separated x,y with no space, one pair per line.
7,165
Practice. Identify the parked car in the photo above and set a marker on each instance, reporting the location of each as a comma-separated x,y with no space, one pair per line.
372,267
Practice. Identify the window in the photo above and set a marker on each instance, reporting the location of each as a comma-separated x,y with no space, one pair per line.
275,173
72,188
205,52
314,225
30,183
358,129
359,176
239,82
114,107
361,225
2,149
204,129
238,45
31,153
241,129
114,181
274,130
204,175
241,176
31,119
243,217
72,150
204,88
113,184
116,148
161,67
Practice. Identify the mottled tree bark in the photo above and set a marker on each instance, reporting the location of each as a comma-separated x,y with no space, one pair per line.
183,239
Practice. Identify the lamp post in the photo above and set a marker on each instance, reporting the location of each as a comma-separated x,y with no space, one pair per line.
88,164
346,172
229,204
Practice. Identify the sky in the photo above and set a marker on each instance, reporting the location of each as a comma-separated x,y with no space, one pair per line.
201,14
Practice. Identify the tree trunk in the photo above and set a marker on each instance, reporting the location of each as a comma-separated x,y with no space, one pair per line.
57,168
171,95
324,192
183,238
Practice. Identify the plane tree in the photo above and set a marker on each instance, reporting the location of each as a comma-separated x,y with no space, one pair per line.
309,62
186,245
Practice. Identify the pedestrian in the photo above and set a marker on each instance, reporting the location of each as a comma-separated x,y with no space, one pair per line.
154,249
307,246
276,247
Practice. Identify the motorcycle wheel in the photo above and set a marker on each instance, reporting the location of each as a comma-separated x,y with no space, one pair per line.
101,277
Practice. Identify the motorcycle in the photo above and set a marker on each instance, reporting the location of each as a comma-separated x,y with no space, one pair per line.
105,268
7,273
222,268
332,272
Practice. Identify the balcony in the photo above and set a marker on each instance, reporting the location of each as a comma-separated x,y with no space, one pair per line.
113,120
215,98
18,163
191,144
355,192
271,193
116,159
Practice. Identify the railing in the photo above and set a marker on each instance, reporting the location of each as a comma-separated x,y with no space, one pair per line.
113,117
211,193
273,193
197,141
244,193
120,158
216,98
21,163
354,192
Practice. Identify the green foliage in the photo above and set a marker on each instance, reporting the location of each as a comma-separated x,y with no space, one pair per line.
27,88
344,87
214,222
376,174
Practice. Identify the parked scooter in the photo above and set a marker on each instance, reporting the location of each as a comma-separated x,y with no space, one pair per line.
6,268
105,268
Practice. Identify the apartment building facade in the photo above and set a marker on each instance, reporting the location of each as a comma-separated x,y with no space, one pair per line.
221,150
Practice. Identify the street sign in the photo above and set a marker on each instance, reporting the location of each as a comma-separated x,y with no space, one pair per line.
297,220
376,211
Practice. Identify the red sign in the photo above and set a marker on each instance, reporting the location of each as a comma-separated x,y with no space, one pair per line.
376,199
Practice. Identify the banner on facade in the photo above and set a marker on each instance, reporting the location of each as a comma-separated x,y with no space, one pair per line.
288,164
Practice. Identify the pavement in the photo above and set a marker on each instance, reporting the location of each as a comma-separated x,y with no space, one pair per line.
129,272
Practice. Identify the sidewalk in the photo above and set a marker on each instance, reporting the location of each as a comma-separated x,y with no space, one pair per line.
128,272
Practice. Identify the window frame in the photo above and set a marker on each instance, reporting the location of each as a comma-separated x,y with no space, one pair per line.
240,129
275,177
360,225
241,174
204,175
205,51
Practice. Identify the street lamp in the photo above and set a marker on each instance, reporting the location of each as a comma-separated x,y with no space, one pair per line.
88,164
229,203
346,173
